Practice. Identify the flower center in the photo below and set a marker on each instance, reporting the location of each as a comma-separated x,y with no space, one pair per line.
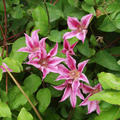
43,62
35,49
95,91
74,74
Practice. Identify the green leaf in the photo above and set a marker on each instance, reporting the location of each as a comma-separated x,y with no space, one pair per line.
41,20
93,40
85,49
56,36
24,115
51,77
109,81
54,12
0,60
20,56
17,12
109,114
73,3
112,97
88,8
92,2
16,98
32,83
13,64
107,25
106,60
4,110
44,98
117,21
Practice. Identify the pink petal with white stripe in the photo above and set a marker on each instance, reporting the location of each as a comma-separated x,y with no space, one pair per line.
69,35
42,42
66,44
66,94
83,78
86,89
29,41
53,51
86,20
73,99
60,87
35,38
82,35
45,72
82,65
55,60
24,49
91,106
73,45
62,69
79,94
73,23
61,77
71,63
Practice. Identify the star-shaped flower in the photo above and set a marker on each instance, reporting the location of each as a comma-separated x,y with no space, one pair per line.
72,90
46,62
68,49
33,43
72,72
92,105
79,28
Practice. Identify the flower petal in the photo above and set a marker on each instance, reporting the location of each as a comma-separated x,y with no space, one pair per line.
98,108
73,45
85,102
42,42
79,94
62,69
66,44
24,49
82,65
55,60
86,20
60,87
61,77
73,23
70,62
29,41
92,106
53,51
66,94
73,99
45,72
86,89
82,35
69,35
83,78
75,86
43,53
35,38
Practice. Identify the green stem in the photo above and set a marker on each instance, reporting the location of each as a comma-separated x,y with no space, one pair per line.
20,88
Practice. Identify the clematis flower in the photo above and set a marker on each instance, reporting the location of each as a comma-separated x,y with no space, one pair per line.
33,43
3,69
92,105
46,62
67,48
72,90
79,28
72,72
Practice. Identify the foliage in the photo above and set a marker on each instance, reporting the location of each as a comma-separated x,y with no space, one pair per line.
101,47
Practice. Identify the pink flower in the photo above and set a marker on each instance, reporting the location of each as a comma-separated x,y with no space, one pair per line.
79,28
3,69
71,90
72,72
92,105
33,43
67,48
46,62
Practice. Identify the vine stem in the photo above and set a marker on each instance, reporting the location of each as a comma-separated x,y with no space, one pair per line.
70,113
20,88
